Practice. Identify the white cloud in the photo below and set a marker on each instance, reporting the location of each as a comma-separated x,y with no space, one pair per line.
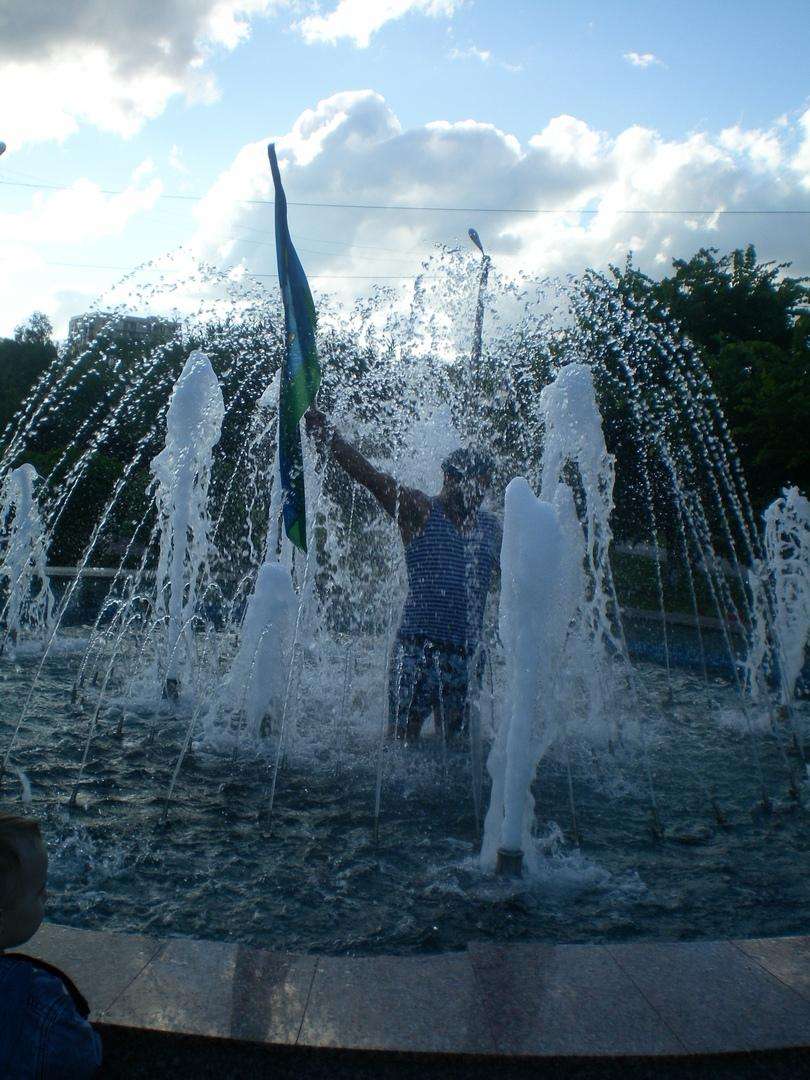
359,20
471,53
351,148
81,212
642,60
113,64
801,162
70,218
483,56
763,147
569,140
176,160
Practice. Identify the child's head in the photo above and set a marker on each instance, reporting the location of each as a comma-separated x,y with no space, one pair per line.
23,873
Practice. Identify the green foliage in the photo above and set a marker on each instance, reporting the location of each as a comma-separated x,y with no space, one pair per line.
751,326
37,330
718,301
23,359
84,510
749,321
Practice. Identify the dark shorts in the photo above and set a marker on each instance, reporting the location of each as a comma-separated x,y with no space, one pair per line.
426,677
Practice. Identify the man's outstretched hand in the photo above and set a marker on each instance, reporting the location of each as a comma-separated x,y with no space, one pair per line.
409,507
317,426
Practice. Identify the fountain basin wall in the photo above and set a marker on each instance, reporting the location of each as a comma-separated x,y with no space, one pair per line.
645,641
642,627
179,1006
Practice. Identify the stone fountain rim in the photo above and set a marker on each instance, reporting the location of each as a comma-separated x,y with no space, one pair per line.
540,1000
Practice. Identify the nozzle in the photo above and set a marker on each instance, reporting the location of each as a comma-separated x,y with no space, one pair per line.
171,689
510,863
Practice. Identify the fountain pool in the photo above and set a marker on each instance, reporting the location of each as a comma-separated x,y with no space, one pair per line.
205,742
310,878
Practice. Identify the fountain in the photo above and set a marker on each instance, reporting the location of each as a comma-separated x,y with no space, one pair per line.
243,682
560,642
28,605
787,556
182,474
253,690
536,607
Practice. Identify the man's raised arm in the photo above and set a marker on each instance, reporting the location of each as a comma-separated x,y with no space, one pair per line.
410,505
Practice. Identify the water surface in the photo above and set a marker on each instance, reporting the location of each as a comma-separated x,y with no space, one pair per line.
311,878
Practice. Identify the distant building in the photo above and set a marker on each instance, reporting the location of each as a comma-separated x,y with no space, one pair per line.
82,329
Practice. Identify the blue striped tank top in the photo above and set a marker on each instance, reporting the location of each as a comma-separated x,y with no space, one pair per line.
449,574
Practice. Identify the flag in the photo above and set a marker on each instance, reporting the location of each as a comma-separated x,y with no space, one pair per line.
300,370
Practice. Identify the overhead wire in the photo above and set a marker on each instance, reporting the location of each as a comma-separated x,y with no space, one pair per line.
398,253
443,209
248,273
394,254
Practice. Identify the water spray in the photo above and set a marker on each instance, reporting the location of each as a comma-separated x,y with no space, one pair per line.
182,473
29,608
142,642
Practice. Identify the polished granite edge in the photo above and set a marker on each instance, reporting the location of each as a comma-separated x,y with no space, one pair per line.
522,1001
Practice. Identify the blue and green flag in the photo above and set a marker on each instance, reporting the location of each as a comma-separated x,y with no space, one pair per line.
300,371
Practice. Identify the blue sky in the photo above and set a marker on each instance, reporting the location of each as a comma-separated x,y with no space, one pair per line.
680,71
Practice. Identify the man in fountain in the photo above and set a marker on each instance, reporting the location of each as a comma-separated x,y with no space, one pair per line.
452,549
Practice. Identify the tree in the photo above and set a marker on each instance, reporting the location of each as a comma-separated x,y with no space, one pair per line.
733,298
37,330
751,326
23,359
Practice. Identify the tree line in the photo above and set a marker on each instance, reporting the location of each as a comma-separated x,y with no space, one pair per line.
748,320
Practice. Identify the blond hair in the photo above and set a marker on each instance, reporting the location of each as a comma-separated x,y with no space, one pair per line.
14,831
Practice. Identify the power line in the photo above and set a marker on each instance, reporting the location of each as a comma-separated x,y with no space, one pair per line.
325,254
411,252
438,209
324,240
397,254
249,228
248,273
349,277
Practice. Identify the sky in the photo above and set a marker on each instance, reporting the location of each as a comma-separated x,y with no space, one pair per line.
135,130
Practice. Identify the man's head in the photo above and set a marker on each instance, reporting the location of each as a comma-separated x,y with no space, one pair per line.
23,874
467,476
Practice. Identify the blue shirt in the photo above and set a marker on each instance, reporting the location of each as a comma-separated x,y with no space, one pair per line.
449,574
42,1034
